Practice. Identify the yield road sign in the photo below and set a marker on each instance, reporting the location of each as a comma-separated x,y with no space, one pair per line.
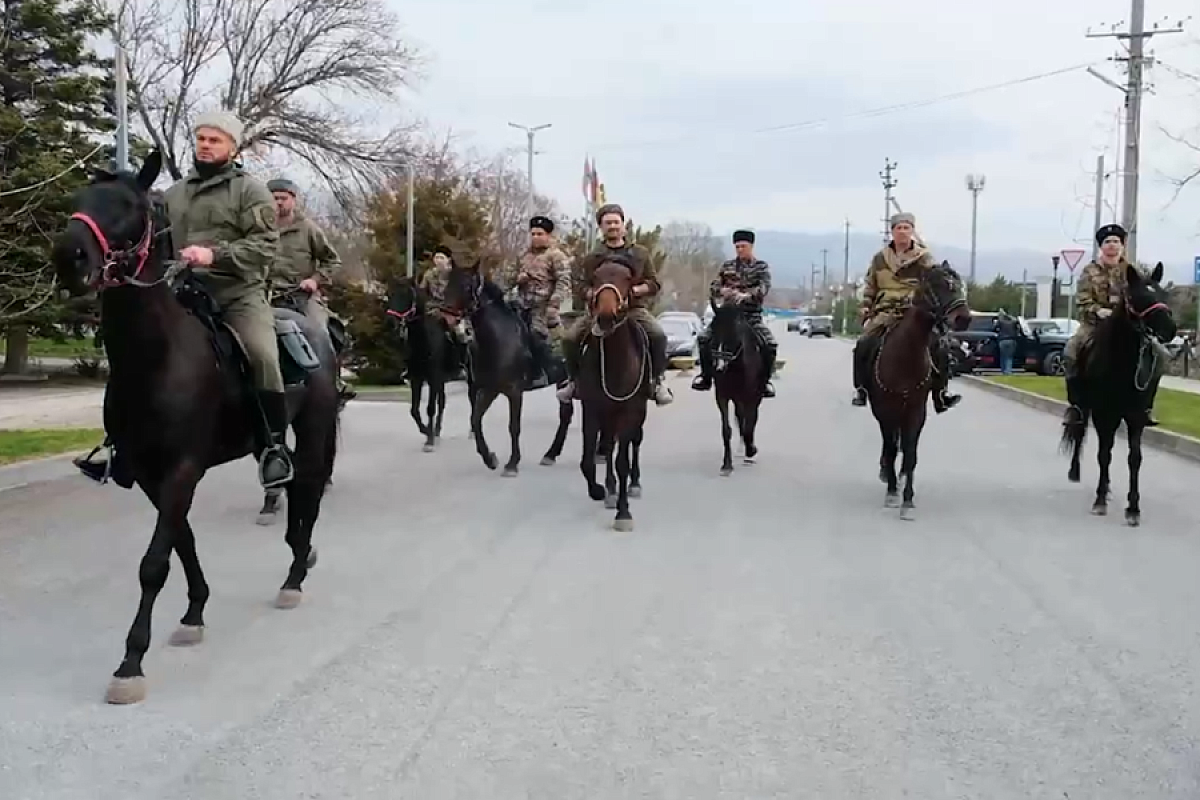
1072,257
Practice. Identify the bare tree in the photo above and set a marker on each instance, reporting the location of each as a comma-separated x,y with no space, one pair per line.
276,64
1189,139
502,186
693,255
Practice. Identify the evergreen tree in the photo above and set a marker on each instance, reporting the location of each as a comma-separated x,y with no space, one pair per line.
55,112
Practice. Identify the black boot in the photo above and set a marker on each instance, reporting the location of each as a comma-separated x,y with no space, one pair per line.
540,357
658,365
275,462
862,358
769,352
704,381
1151,394
943,399
570,352
1074,413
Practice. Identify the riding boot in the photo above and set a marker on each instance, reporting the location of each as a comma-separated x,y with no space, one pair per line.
862,355
769,352
1074,382
658,366
570,353
275,462
1151,394
704,381
540,358
115,467
943,399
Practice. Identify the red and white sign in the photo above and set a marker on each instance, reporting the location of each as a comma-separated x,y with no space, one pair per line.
1072,257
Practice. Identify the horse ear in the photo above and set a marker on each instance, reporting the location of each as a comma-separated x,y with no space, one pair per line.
945,263
148,174
1157,274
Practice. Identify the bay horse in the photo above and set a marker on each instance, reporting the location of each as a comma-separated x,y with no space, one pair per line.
498,362
738,366
177,401
900,382
432,356
613,381
1116,373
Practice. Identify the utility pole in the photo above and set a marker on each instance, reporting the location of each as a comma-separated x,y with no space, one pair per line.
812,284
1097,222
846,278
121,90
824,267
889,183
1136,62
529,134
974,186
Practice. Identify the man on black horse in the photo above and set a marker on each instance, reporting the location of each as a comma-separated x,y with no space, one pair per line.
306,263
223,224
539,284
745,280
892,279
1100,289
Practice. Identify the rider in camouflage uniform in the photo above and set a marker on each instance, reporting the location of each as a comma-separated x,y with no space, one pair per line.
611,219
892,279
540,283
747,280
1100,289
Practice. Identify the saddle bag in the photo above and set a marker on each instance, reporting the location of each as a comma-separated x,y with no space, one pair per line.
297,360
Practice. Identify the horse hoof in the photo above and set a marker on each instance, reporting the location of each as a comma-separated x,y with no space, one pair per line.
907,513
635,491
311,561
126,691
265,518
883,478
186,636
752,453
623,525
1133,518
427,448
597,492
726,472
490,461
547,461
1099,509
288,598
610,501
1073,475
510,472
748,460
891,501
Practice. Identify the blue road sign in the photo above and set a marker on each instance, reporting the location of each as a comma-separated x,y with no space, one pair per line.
1196,271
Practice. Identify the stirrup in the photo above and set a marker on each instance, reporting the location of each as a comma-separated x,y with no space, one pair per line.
106,446
280,451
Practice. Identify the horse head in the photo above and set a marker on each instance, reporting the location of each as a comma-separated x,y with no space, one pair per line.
464,290
611,290
729,332
942,294
404,302
1145,303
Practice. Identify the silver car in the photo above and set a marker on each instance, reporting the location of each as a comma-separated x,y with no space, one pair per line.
683,332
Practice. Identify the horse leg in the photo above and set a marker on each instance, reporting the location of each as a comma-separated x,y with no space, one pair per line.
565,412
191,625
909,439
1133,512
587,462
726,434
414,404
887,466
173,499
748,424
607,442
482,403
1074,435
516,401
624,520
435,386
1106,439
441,413
315,450
635,462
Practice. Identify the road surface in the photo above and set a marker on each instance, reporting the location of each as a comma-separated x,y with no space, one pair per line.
777,633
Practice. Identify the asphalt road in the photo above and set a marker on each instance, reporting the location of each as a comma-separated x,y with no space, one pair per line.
777,633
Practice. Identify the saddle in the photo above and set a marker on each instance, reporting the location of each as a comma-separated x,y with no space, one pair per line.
554,368
297,360
338,334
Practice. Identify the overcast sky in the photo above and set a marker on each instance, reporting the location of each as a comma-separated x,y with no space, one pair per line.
668,95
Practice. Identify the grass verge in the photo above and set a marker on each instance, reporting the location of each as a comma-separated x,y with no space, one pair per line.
1179,412
25,445
71,348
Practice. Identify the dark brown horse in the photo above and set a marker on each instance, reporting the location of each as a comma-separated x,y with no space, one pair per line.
176,403
1116,376
902,376
613,383
738,378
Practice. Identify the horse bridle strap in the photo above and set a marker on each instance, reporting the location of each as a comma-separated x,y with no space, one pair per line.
139,252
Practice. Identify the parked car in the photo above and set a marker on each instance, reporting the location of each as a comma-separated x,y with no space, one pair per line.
820,326
1039,351
683,335
793,324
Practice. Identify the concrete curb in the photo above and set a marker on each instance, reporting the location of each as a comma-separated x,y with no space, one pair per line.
1174,443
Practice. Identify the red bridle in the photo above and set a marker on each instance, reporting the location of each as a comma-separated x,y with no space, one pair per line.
140,253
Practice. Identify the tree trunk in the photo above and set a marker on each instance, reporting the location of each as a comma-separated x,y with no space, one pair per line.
16,350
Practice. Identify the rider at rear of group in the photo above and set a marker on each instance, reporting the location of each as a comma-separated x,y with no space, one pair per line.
892,280
539,284
1100,289
611,219
433,282
223,220
744,280
306,263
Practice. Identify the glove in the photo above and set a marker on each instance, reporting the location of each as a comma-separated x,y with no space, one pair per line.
728,292
1104,313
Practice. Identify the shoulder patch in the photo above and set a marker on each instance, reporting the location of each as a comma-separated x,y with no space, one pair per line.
264,216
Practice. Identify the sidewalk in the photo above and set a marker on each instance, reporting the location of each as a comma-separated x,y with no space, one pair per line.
25,407
1181,384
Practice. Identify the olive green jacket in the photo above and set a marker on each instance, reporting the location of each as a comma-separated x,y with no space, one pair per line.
304,252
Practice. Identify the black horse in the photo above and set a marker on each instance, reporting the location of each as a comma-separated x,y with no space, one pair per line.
432,356
178,401
738,367
903,376
499,362
1116,375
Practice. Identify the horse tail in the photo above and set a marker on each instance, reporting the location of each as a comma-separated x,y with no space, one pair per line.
1074,432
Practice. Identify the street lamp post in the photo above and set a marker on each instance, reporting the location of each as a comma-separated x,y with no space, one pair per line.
530,132
975,185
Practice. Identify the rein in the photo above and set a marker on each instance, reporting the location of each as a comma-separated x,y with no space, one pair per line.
939,316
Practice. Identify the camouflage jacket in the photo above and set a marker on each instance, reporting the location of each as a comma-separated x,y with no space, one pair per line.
234,214
304,252
433,281
1099,287
643,267
753,278
893,278
542,278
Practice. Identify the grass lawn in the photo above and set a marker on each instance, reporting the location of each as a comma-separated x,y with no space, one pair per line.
368,388
1178,412
29,444
71,348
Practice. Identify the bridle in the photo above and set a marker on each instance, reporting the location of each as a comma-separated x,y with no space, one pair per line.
622,308
722,357
116,268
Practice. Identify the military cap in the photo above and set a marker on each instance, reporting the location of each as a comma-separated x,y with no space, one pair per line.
283,185
1111,229
903,216
743,236
223,121
609,208
544,223
443,250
